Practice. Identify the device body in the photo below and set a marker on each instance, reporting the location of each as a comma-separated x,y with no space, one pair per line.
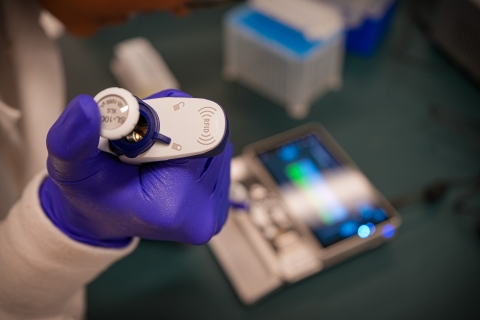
174,128
306,207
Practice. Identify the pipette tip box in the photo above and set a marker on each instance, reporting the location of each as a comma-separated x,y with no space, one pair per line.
289,51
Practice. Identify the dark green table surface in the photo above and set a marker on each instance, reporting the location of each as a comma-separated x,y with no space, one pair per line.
431,270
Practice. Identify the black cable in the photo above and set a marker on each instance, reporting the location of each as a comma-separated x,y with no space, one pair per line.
438,190
433,192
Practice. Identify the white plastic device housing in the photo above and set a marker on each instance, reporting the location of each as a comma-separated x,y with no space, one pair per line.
196,126
140,68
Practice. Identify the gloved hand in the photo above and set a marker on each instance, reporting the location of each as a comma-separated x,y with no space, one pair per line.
96,199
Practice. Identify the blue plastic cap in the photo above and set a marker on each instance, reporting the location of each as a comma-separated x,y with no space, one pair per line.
133,149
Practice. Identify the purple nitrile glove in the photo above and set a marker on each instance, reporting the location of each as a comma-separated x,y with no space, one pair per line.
94,198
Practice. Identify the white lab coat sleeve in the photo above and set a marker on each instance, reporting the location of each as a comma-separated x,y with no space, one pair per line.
43,272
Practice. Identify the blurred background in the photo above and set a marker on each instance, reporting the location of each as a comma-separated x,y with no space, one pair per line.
403,101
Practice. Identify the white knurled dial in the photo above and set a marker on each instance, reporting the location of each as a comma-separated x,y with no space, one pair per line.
119,110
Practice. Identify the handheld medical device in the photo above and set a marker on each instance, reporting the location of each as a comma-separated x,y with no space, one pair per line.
306,207
159,129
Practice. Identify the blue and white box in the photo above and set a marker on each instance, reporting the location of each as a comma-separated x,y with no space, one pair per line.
291,51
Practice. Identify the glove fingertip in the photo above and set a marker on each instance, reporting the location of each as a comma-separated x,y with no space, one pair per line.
90,110
77,130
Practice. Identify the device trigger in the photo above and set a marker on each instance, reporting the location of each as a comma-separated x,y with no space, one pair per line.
160,137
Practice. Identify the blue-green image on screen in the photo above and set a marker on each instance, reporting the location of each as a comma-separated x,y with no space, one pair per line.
300,167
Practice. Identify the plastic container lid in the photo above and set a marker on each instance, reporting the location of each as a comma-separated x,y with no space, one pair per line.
316,20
